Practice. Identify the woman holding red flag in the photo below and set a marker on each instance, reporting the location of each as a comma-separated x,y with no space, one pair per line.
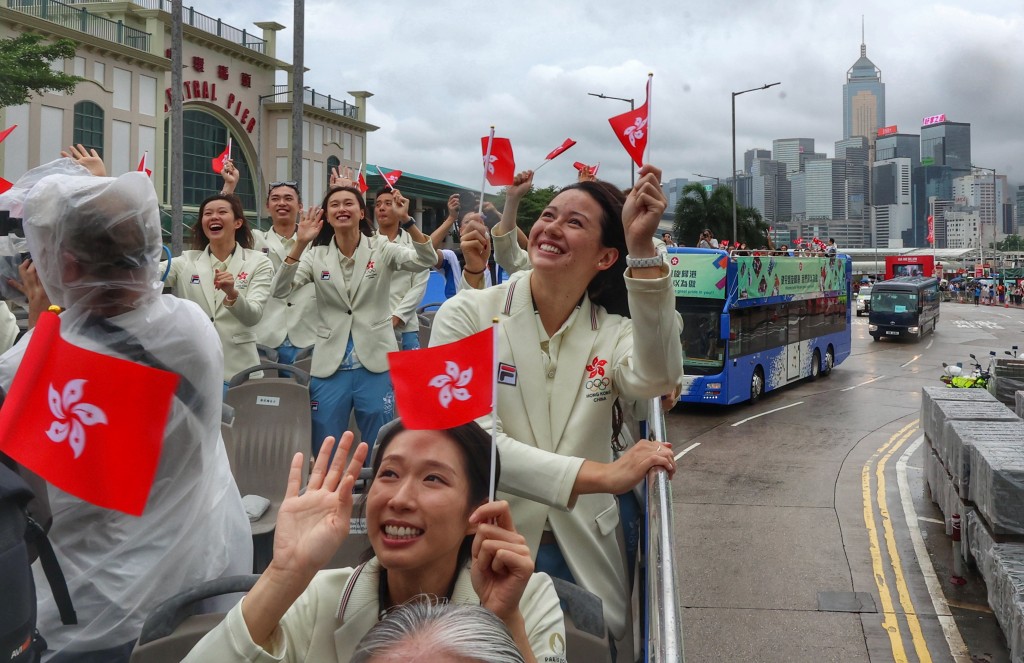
566,351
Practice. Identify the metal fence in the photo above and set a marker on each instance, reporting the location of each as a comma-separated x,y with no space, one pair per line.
214,26
664,636
283,93
79,18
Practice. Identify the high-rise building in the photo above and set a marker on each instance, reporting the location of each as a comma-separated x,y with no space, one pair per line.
945,143
937,210
791,151
750,156
928,182
770,189
891,203
896,146
863,98
856,153
975,192
673,191
826,189
1018,212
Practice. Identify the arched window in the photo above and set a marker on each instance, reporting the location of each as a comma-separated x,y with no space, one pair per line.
332,163
88,129
205,137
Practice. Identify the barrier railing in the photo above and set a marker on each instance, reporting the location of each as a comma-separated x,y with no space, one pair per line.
664,614
214,26
78,18
316,100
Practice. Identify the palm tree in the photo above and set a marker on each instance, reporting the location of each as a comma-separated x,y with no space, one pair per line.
697,209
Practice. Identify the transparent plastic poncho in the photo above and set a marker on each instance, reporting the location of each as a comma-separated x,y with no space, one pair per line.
96,245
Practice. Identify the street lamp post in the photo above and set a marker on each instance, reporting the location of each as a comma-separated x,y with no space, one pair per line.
735,233
632,106
718,180
259,156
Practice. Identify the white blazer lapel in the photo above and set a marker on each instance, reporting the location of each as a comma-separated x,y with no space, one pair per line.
575,364
363,256
206,275
520,333
337,274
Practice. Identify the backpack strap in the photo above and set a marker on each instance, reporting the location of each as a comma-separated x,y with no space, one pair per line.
36,535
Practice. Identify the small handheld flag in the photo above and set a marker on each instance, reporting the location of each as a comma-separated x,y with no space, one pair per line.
360,180
7,132
144,165
632,128
566,144
90,424
390,178
218,162
499,163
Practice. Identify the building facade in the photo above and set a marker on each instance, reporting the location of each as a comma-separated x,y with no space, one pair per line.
856,153
863,98
826,189
750,156
945,143
791,152
892,203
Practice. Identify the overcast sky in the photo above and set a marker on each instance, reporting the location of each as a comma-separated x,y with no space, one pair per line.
442,72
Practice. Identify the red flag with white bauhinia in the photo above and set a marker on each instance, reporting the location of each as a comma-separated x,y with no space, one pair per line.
90,424
218,162
501,165
445,385
580,166
569,142
931,229
4,184
631,128
144,165
390,178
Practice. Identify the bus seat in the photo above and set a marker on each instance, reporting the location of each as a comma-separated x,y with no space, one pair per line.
304,359
268,354
272,422
586,637
434,291
173,629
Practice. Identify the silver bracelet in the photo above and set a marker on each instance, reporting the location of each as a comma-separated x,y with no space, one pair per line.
639,263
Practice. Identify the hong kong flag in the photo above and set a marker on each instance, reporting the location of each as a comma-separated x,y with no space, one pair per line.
569,142
501,166
90,424
631,128
391,177
4,184
580,166
218,162
144,165
446,385
363,186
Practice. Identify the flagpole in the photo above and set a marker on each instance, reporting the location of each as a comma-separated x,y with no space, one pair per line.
487,163
546,162
229,147
494,405
647,148
386,180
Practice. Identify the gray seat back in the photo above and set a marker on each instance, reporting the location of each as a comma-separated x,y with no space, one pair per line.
586,637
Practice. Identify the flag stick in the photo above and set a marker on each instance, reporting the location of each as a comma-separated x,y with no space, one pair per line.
594,173
386,180
647,148
494,406
546,162
229,148
487,164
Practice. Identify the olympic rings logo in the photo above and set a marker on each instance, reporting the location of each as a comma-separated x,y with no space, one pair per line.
599,383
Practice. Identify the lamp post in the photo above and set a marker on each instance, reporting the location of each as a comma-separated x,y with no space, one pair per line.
718,180
734,95
632,106
259,156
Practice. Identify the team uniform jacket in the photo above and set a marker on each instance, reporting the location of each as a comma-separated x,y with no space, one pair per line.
191,277
366,315
407,290
543,442
296,317
340,606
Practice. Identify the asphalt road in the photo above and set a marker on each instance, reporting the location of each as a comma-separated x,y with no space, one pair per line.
806,534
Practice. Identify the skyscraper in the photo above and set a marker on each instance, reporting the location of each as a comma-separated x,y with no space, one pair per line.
945,143
750,156
863,97
790,150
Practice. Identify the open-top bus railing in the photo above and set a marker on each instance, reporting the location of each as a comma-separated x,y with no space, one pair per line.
664,623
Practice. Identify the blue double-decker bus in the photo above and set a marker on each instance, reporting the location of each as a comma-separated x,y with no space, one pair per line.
753,323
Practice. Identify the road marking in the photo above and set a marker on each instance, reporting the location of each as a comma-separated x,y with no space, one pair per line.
687,449
863,383
928,347
931,520
743,421
916,357
916,635
957,648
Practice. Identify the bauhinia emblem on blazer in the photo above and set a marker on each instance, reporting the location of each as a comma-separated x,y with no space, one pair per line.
371,271
596,367
506,374
597,383
452,383
325,275
242,278
194,280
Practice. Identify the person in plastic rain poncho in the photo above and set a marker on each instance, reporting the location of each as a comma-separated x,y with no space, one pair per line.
95,244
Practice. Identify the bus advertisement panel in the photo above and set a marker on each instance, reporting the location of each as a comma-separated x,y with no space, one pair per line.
754,323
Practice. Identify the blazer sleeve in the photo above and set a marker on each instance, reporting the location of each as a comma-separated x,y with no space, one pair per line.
648,359
406,308
292,275
508,254
417,259
248,308
542,476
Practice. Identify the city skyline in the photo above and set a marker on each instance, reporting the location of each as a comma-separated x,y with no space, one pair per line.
441,77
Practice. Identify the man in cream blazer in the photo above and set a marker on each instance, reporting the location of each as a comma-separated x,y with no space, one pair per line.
552,419
191,277
407,288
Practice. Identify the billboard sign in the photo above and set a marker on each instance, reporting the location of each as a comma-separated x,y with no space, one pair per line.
887,131
927,161
933,119
700,275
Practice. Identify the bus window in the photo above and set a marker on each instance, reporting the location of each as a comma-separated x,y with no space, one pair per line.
703,353
776,332
893,302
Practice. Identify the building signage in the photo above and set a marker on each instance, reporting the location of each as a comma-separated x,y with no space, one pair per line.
933,119
887,131
927,161
207,91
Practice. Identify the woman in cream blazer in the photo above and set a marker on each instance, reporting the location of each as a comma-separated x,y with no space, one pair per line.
351,269
566,351
229,281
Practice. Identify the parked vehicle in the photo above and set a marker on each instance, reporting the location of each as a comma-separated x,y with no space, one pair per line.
863,300
953,377
904,307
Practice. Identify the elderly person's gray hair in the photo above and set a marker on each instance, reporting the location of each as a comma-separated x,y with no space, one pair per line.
462,632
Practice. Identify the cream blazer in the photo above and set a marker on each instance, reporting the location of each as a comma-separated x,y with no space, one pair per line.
340,606
295,317
543,442
407,290
191,277
366,314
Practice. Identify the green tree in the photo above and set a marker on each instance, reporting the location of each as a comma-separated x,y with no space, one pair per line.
530,207
25,68
1011,243
697,209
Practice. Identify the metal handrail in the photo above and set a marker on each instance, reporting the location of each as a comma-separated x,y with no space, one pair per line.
79,18
209,24
317,100
664,612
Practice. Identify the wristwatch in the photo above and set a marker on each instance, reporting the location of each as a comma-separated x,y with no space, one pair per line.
638,263
409,224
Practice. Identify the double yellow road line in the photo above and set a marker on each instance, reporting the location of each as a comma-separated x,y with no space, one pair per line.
890,622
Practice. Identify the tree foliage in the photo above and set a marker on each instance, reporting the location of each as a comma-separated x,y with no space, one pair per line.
1011,243
697,209
25,68
530,207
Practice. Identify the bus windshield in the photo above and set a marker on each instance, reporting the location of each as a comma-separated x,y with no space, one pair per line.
893,301
703,352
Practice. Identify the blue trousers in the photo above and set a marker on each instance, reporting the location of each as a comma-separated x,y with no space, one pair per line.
286,352
333,399
410,340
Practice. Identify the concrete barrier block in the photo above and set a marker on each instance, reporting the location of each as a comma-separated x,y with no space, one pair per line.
947,411
1002,567
961,434
929,395
997,485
